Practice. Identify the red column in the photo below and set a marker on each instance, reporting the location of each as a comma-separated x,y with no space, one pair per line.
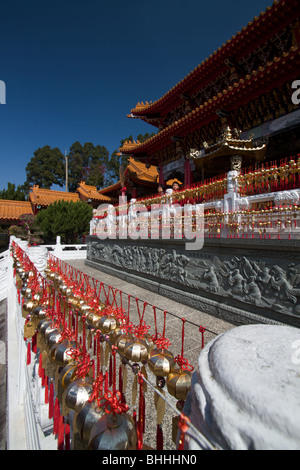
161,176
188,175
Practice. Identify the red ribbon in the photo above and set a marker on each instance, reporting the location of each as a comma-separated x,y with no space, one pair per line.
112,403
183,363
160,341
141,330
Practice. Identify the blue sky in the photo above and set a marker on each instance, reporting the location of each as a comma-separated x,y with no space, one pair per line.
74,69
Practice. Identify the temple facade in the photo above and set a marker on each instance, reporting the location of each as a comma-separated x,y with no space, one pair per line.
229,131
242,92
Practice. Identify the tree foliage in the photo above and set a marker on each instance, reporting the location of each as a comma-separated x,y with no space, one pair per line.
87,163
46,167
13,193
68,219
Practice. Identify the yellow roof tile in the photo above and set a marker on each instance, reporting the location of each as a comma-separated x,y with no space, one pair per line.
12,210
45,197
91,192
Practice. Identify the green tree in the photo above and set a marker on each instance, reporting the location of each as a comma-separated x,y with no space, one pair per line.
87,163
46,167
13,193
70,220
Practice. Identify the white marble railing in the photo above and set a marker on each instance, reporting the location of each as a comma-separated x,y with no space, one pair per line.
3,274
231,217
38,254
67,252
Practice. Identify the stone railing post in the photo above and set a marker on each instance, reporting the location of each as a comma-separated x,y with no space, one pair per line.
245,395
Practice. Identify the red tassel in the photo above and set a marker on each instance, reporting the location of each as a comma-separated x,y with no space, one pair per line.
51,399
106,382
159,438
141,418
43,378
47,391
28,353
56,417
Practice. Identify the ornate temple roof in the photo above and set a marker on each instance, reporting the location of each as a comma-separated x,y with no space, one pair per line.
91,192
45,197
136,172
254,84
141,172
230,144
12,210
256,33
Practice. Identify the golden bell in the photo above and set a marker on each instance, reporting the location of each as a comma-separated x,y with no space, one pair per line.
160,362
113,432
60,352
179,383
122,342
26,292
40,312
66,375
93,317
115,334
77,393
136,350
86,419
107,323
28,307
84,308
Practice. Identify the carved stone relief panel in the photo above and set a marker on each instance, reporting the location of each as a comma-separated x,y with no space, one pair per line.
271,283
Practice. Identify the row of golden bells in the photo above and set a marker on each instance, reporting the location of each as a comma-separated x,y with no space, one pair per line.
94,429
138,350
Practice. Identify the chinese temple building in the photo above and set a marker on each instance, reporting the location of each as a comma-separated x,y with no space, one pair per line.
242,92
41,198
230,132
138,178
10,211
91,195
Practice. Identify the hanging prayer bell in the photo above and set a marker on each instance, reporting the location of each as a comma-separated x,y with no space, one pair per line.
107,323
66,375
86,419
28,306
113,432
136,350
179,383
76,395
160,362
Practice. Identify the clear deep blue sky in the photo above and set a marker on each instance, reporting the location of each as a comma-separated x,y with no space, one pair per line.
74,69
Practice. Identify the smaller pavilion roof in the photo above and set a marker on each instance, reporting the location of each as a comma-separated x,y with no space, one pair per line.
142,171
45,197
91,192
12,210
